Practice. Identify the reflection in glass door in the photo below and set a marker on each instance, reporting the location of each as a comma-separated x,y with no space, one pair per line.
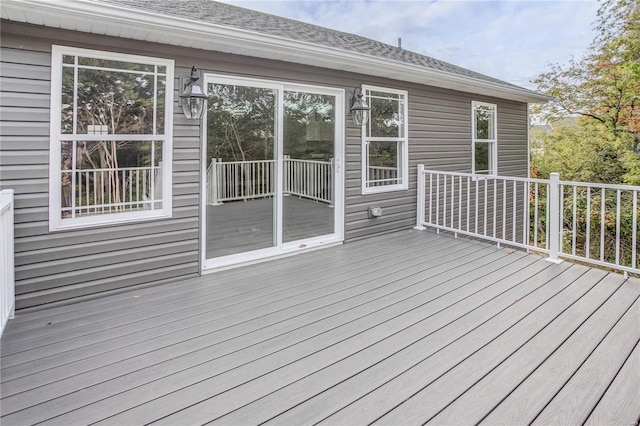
241,169
309,144
272,180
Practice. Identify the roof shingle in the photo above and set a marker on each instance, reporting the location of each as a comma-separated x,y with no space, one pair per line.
223,14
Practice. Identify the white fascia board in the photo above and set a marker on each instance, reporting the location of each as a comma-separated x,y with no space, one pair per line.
117,21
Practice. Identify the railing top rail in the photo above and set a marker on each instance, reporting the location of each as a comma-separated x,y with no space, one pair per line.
246,162
600,185
383,168
534,180
307,161
271,161
112,169
485,177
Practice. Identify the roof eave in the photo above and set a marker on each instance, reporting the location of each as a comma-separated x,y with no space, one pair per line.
112,20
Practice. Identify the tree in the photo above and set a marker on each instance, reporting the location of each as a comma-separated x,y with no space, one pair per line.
599,158
593,135
604,86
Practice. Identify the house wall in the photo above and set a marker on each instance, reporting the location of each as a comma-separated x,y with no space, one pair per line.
57,267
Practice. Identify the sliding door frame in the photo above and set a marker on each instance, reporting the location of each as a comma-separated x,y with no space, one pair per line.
293,247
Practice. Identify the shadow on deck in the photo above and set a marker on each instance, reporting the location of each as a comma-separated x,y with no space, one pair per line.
400,329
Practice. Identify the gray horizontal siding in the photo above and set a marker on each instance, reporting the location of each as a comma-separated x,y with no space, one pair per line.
53,267
512,139
58,266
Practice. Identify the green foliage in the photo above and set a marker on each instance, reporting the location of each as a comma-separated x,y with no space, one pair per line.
603,88
592,136
241,124
602,228
586,153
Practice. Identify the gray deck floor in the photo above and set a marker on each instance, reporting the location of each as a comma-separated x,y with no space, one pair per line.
236,227
406,328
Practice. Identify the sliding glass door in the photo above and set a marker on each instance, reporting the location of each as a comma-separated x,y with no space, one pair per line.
273,155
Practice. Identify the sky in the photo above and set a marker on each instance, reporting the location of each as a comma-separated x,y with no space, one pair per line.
512,40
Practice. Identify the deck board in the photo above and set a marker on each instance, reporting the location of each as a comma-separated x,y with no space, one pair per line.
586,388
395,351
362,331
286,283
512,371
243,289
475,305
513,320
152,355
333,280
601,331
226,279
229,280
619,405
397,328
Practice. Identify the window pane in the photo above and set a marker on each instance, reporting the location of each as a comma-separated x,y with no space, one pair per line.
483,158
160,106
110,177
66,110
157,175
485,122
386,117
122,102
384,163
385,95
309,126
241,124
66,155
121,65
242,171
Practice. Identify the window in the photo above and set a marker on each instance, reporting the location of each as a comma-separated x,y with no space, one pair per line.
385,159
110,158
484,139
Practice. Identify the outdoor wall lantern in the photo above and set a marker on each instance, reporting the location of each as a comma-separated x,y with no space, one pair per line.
359,108
192,98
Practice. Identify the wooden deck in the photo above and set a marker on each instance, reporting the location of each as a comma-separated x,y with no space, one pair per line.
406,328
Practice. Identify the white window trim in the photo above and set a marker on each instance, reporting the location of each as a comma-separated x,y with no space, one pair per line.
56,223
494,152
405,146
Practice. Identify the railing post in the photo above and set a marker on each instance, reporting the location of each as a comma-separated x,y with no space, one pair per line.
7,265
420,199
212,183
554,218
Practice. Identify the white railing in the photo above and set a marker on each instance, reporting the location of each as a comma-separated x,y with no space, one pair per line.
239,180
245,180
97,191
379,176
7,271
587,222
308,179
